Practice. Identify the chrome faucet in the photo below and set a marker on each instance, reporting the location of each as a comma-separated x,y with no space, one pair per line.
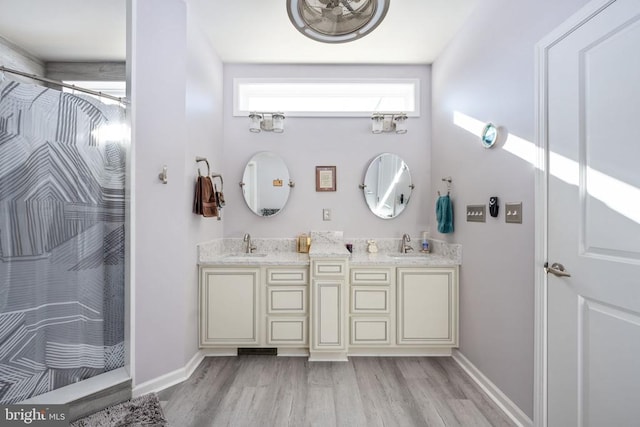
247,239
405,244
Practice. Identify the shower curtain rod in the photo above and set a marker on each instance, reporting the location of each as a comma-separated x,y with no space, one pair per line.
59,83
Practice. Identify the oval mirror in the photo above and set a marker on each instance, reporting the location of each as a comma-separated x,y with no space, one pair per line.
387,185
265,184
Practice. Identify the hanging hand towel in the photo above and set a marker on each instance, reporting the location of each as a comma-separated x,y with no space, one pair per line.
444,214
197,200
209,205
219,197
204,202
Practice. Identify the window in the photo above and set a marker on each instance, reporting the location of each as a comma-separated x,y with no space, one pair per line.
326,97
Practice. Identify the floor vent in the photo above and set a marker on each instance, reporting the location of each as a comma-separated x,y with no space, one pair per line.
256,351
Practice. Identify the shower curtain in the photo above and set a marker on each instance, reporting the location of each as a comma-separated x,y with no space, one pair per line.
62,228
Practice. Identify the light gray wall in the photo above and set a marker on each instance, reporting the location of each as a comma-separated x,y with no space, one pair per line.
487,73
204,139
346,143
176,113
159,134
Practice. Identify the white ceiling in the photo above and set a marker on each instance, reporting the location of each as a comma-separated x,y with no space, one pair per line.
66,30
241,31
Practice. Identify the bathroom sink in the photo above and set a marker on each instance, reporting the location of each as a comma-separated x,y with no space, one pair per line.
245,255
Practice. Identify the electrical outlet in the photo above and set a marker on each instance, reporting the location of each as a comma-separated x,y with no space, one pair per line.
326,214
513,212
476,213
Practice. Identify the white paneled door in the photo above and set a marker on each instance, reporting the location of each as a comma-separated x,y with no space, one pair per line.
592,123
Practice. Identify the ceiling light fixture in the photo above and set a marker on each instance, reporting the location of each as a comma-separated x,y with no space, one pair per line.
336,21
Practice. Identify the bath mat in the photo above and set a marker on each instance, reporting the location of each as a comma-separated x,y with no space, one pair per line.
141,411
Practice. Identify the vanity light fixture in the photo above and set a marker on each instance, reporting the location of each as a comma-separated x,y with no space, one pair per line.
270,122
336,21
389,122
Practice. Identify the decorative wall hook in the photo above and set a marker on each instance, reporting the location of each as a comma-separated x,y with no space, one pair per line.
162,176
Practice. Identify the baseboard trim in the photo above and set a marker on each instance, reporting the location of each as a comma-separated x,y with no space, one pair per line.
399,352
508,407
169,379
293,352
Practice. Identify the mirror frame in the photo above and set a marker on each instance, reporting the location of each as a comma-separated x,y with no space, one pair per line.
406,200
281,180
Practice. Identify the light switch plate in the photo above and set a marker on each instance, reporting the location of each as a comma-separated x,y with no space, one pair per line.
513,213
476,213
326,214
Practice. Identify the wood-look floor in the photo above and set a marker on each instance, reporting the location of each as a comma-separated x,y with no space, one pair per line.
366,391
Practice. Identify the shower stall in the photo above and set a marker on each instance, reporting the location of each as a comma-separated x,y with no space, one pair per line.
63,164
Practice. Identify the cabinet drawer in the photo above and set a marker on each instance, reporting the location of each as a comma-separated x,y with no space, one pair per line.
287,331
369,299
290,276
329,268
371,276
289,299
369,330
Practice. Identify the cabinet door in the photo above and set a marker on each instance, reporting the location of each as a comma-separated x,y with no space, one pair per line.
328,315
427,306
229,304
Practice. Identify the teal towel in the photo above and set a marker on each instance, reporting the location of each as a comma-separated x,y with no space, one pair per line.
444,214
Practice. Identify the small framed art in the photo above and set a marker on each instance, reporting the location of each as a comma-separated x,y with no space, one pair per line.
325,178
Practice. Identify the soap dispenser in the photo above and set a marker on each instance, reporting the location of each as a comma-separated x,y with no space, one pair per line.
372,247
425,242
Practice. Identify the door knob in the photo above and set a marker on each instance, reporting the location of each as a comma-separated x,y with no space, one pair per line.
556,269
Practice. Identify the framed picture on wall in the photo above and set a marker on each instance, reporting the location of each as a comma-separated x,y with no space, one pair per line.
325,178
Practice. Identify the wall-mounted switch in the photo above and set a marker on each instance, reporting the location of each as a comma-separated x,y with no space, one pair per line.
476,213
326,214
513,212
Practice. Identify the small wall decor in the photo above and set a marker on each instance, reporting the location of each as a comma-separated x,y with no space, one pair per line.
489,135
325,178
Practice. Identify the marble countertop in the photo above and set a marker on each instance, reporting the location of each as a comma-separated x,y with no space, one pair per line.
402,260
257,259
282,251
357,259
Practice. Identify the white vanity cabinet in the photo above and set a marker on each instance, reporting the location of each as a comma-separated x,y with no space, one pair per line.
371,307
286,306
427,306
328,309
254,306
331,307
229,309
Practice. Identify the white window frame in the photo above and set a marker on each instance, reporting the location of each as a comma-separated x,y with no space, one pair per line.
244,88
